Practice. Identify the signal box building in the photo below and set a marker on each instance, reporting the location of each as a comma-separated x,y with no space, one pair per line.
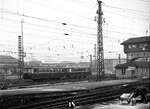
137,52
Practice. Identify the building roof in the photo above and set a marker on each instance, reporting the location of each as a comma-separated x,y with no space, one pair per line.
7,60
133,64
137,40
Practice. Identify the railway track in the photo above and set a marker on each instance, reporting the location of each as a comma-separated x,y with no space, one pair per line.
89,96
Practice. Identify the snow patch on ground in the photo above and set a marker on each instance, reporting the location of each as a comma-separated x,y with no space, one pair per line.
117,105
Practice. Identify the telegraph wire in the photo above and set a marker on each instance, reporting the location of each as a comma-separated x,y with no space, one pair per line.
69,39
80,33
126,9
146,1
85,2
47,20
78,25
65,39
59,22
8,51
75,1
27,16
123,9
123,14
47,27
55,28
68,11
41,19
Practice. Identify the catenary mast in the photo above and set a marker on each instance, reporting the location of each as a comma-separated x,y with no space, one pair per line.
100,52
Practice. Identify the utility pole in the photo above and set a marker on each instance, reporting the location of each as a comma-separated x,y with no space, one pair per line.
100,53
21,52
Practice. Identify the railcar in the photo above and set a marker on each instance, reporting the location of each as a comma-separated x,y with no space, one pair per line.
44,73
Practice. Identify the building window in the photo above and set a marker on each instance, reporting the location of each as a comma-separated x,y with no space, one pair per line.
123,71
143,46
129,46
132,46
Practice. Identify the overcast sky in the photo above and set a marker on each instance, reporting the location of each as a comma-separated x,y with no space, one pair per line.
46,39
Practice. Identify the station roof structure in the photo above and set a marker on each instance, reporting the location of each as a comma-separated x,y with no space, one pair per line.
8,60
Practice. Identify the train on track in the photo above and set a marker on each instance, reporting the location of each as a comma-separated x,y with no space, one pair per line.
57,73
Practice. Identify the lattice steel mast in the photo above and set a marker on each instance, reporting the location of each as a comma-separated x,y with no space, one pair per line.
100,52
20,53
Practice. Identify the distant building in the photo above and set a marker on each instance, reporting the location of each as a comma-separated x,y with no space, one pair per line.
109,65
138,58
8,65
33,63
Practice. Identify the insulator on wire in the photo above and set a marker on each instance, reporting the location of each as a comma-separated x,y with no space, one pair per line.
66,34
64,23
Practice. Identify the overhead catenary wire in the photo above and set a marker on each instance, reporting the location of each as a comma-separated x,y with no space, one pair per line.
69,38
47,20
66,11
77,31
45,26
85,2
31,53
123,14
124,9
128,10
146,1
42,19
93,35
114,7
76,25
73,31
